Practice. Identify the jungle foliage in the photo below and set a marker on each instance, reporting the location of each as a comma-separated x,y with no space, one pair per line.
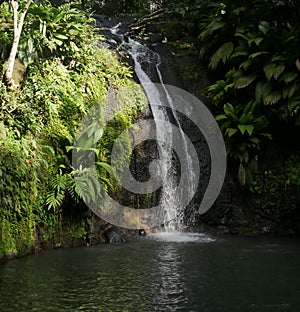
250,51
62,70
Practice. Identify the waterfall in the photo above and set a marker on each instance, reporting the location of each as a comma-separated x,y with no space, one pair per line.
146,67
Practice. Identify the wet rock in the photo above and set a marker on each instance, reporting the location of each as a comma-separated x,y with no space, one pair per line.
114,235
142,232
155,38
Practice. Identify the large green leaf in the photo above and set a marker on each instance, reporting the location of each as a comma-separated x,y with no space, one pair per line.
294,87
244,81
256,40
279,70
249,108
264,27
269,70
107,167
246,128
266,89
259,91
246,118
230,112
245,65
58,17
272,98
223,53
256,54
288,77
230,132
273,70
214,25
60,36
221,117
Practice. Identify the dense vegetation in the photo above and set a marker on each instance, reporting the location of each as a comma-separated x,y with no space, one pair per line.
61,71
250,51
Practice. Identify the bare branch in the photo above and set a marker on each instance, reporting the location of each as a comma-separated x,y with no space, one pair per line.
18,26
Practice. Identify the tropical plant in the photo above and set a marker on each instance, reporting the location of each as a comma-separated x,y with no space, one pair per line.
53,31
243,133
251,50
39,119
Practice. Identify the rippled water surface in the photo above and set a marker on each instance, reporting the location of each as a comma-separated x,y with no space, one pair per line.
188,272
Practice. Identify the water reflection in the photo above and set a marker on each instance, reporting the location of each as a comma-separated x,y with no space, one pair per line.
149,275
170,281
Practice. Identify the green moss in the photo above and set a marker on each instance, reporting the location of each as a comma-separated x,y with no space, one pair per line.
77,230
39,120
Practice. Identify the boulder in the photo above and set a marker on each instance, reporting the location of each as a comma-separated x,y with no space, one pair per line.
114,235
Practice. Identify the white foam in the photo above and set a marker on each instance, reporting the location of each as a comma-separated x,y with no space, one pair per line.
182,237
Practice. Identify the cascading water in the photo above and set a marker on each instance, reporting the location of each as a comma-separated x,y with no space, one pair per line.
147,64
147,69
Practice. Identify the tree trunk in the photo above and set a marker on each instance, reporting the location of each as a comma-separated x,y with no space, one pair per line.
18,25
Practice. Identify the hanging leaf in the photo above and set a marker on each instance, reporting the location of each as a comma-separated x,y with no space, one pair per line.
249,108
277,58
269,70
256,40
58,17
264,27
254,55
288,77
255,141
230,132
244,81
246,128
259,91
272,98
221,117
266,89
245,64
57,41
223,53
107,167
279,70
230,112
273,70
246,118
239,53
292,90
211,27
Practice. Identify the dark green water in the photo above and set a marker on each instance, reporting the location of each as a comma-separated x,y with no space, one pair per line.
228,274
